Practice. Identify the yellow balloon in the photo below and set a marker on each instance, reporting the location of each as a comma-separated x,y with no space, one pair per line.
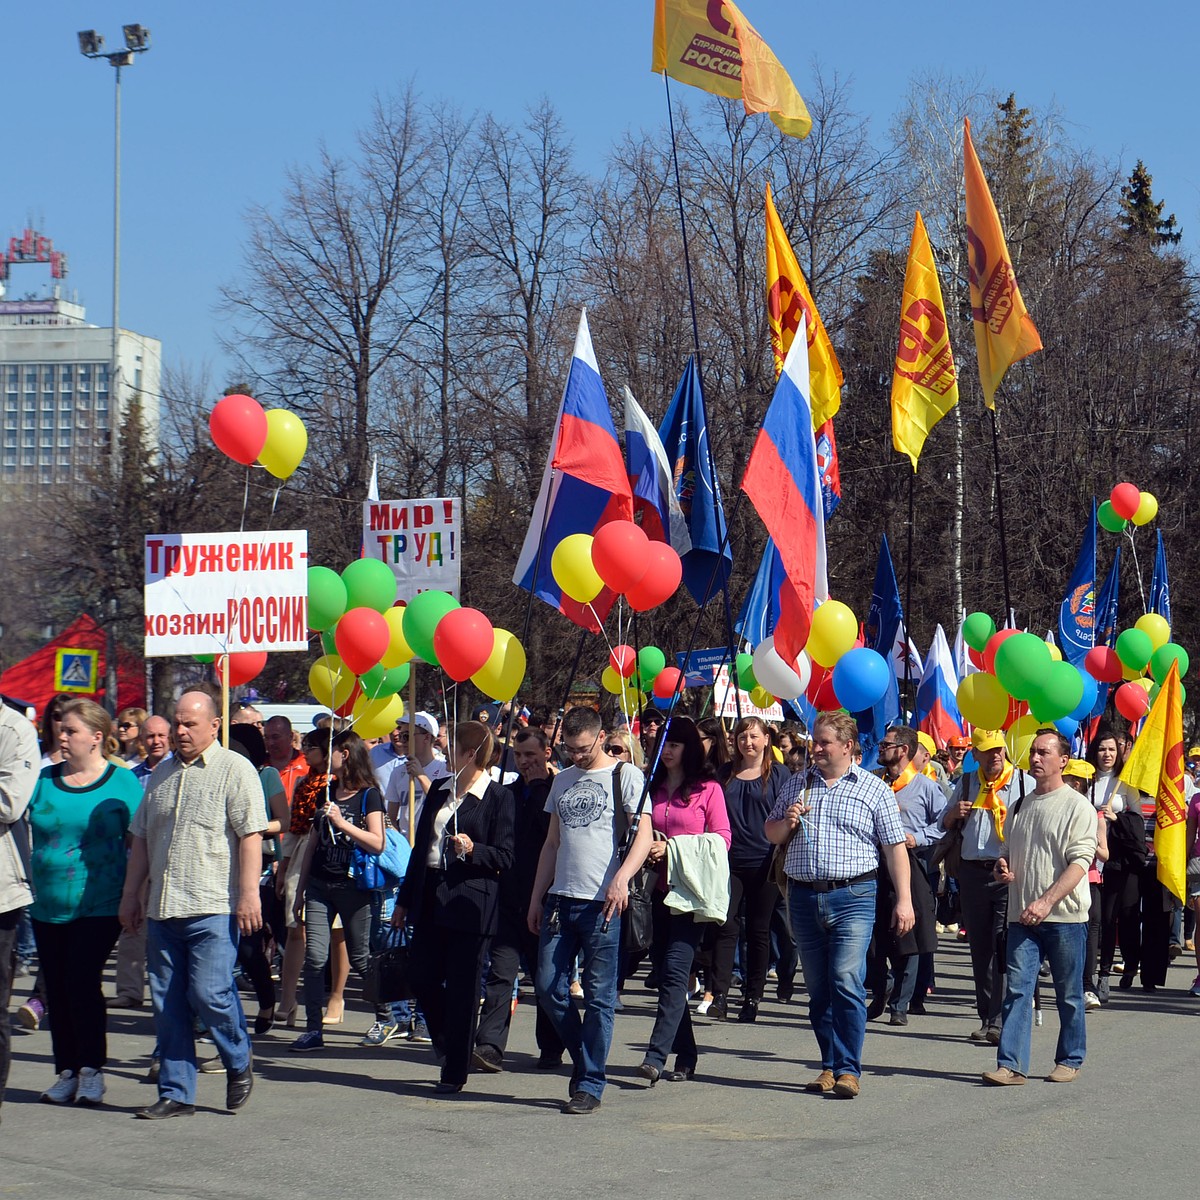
331,681
761,697
398,651
1147,509
1129,674
1019,738
612,681
376,718
1055,652
504,671
1146,684
571,566
1155,628
287,440
834,631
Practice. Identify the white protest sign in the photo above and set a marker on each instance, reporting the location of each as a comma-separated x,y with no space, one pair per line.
725,704
421,540
219,593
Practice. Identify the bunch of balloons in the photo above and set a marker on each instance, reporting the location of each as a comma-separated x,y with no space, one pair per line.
631,675
621,557
368,643
276,439
1139,663
1125,504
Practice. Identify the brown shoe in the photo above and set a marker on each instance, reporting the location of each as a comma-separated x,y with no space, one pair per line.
846,1087
1062,1074
823,1083
1003,1077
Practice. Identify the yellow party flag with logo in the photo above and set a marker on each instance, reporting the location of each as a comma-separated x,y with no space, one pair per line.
788,299
709,44
924,383
1155,766
1004,330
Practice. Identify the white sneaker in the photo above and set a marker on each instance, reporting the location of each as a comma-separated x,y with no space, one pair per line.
704,1006
63,1090
91,1086
1091,1002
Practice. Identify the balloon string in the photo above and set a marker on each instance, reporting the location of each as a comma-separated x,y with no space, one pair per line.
245,503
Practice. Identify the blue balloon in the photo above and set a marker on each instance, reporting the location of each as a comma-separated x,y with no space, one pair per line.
860,679
1067,726
969,763
1090,691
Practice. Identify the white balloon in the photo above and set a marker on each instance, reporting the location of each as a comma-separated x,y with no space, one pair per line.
786,682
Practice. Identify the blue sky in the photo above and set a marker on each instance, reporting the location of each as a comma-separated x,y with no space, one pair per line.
231,94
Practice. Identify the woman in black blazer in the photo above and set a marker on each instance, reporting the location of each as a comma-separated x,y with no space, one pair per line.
451,895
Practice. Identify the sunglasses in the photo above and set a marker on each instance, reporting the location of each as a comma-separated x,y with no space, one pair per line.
616,749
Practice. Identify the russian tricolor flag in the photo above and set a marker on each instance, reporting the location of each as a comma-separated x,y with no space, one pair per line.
783,482
650,479
583,487
937,709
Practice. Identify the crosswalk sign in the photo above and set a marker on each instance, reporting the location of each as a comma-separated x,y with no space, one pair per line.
76,670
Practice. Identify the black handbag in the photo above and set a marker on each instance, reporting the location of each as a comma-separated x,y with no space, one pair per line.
387,972
637,922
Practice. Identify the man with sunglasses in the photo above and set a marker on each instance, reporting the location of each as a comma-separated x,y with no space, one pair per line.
420,766
579,893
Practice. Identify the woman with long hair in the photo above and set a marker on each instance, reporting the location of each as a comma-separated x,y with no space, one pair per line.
687,803
715,741
751,787
48,738
79,818
451,896
623,745
129,737
349,815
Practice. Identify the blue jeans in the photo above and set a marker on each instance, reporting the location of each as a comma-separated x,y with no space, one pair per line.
676,936
832,932
580,931
191,962
1063,946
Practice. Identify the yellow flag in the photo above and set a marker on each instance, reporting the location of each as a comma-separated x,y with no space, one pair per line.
1155,766
788,298
924,383
1004,330
710,45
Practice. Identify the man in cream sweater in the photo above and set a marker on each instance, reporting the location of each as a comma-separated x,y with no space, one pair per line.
1050,840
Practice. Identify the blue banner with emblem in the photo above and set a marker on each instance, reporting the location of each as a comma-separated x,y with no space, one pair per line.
1077,613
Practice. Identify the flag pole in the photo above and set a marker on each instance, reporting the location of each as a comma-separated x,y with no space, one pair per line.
908,598
1000,521
567,690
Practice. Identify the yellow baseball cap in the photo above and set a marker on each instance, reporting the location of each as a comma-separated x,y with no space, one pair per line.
928,742
1078,769
984,740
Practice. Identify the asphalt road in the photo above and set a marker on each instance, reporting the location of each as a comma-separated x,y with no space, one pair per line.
364,1123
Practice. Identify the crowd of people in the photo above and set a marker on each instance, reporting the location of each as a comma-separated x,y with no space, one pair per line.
713,858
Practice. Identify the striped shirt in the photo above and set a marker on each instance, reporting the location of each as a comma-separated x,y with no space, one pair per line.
848,820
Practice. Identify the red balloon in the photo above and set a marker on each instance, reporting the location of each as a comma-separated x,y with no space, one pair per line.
347,709
1125,499
361,637
1132,702
666,681
820,691
993,644
664,572
623,660
463,641
1103,665
239,428
243,666
620,554
1016,710
975,656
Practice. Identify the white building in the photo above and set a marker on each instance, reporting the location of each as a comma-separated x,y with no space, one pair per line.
54,378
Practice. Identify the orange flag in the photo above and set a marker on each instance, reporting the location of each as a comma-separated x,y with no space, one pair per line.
924,384
788,298
709,44
1004,330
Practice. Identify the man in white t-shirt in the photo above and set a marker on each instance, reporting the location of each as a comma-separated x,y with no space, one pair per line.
420,766
580,891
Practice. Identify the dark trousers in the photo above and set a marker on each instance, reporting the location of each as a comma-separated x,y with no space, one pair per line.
322,902
446,966
676,937
512,943
73,955
1093,939
252,959
760,896
8,957
1156,927
1120,917
985,914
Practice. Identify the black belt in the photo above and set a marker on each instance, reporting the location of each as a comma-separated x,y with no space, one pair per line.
988,864
832,885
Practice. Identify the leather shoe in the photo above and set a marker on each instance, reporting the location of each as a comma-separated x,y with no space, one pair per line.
161,1109
898,1018
238,1085
1062,1074
822,1084
549,1062
444,1087
917,1009
581,1104
487,1058
649,1071
123,1002
680,1075
1003,1077
846,1087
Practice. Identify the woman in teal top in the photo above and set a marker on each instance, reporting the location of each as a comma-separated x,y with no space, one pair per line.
79,817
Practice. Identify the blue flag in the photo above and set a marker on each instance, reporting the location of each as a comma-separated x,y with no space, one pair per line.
883,632
760,609
684,435
1107,623
1160,589
1077,613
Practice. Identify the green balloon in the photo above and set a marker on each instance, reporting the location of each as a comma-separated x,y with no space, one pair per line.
651,660
744,671
204,658
1109,519
329,641
1134,649
1021,664
977,629
421,618
1164,656
1061,691
382,681
369,584
326,598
